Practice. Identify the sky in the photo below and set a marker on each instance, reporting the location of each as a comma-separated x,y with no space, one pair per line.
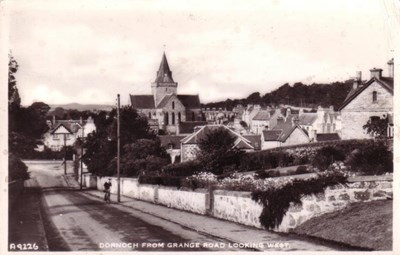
89,51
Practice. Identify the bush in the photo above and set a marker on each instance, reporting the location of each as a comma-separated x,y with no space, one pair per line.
277,200
182,169
372,159
17,169
170,181
302,170
262,174
326,156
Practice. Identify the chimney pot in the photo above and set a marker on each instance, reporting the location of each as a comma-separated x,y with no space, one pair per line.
391,68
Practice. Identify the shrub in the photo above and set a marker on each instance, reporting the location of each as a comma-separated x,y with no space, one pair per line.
182,169
302,170
171,181
371,159
276,200
326,156
17,169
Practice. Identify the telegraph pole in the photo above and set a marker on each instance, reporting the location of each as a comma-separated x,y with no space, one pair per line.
65,154
118,151
82,158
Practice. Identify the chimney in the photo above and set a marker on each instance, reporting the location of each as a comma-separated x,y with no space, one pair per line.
357,80
80,120
288,112
391,68
376,73
295,121
54,119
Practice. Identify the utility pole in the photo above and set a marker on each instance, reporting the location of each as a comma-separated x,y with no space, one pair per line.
118,151
65,154
82,158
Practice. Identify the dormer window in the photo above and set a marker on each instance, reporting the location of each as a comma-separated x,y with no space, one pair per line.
374,97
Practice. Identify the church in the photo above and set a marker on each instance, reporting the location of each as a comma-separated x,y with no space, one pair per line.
165,108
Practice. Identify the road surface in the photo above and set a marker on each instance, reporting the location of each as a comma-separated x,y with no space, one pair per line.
75,221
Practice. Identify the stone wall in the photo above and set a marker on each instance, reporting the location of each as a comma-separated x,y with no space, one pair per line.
239,207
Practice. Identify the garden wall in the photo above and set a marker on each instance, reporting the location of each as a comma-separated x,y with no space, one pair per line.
239,207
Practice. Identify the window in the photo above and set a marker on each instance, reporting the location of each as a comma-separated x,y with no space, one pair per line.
173,105
179,117
374,97
166,116
192,116
173,118
67,137
149,115
56,137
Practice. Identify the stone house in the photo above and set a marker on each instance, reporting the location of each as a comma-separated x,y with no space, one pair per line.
70,130
190,144
370,100
324,121
165,105
287,132
265,119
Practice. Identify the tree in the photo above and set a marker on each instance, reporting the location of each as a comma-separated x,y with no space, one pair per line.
377,127
13,95
17,169
143,156
101,146
217,151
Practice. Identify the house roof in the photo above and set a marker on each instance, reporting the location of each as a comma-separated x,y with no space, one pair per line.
385,82
58,126
187,127
174,140
255,140
271,135
282,130
307,119
200,134
262,115
142,101
327,137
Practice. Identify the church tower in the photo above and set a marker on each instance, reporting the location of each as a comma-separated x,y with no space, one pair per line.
164,84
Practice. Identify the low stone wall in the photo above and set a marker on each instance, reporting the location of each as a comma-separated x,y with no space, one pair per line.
239,207
197,202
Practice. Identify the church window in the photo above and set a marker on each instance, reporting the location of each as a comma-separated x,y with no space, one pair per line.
179,117
374,97
173,118
173,105
166,119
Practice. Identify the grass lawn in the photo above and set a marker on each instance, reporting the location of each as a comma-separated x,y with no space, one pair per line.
368,225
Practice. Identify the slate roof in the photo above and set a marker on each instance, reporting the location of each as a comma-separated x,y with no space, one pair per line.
142,101
255,140
174,140
190,101
262,115
281,131
187,127
307,119
196,137
72,126
327,137
385,82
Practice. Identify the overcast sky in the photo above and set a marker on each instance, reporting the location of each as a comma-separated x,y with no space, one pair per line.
88,51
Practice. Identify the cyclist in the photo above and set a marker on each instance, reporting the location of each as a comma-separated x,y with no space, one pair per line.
107,186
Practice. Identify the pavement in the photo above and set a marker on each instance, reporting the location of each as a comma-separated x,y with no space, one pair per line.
238,235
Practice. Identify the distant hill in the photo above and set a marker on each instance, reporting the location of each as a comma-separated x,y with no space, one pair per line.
83,107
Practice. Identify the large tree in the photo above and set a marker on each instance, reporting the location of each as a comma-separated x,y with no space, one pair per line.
101,146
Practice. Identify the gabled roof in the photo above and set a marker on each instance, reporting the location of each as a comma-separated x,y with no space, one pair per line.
385,82
142,101
187,127
307,119
164,101
174,140
262,115
58,126
200,134
327,137
271,135
164,74
190,101
282,130
243,145
255,140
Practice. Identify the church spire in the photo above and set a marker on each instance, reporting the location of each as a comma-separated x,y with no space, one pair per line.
164,74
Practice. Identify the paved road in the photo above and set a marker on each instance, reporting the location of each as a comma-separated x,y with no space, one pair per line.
78,222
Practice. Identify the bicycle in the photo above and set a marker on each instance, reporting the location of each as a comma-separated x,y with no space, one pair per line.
107,196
